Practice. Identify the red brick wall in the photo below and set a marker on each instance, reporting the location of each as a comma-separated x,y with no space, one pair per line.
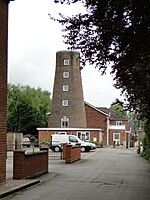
122,136
95,134
28,166
44,135
3,85
72,153
95,119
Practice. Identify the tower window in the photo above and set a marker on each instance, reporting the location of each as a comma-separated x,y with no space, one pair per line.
64,122
66,62
65,74
65,88
64,102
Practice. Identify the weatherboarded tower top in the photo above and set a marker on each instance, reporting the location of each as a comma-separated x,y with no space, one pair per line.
67,101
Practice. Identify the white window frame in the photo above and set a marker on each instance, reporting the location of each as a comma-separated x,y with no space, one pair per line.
64,122
83,135
66,74
65,102
119,123
65,88
114,138
66,62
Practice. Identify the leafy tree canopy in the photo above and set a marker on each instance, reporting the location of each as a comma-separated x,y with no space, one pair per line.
27,108
116,33
117,108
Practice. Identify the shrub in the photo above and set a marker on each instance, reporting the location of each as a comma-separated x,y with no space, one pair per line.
46,141
146,141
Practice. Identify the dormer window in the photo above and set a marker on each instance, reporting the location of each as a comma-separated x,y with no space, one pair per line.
119,123
66,62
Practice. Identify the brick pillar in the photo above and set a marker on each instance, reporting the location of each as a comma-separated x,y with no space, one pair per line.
68,153
18,164
3,85
64,152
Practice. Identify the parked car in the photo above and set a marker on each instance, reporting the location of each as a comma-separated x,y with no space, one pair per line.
58,140
26,142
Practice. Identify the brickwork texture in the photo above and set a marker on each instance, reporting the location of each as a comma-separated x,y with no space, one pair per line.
73,154
29,165
3,85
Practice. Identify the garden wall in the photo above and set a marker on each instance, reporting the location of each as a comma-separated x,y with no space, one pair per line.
29,165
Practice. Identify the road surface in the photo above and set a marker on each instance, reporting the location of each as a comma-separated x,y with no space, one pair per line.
104,174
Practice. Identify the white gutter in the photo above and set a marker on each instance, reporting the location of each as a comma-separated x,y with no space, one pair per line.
69,129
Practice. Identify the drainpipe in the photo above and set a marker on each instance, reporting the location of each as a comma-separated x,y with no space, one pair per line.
107,130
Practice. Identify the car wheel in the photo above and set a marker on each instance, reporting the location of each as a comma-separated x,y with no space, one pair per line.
57,149
83,149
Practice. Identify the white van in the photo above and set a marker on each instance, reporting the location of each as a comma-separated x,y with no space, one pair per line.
58,139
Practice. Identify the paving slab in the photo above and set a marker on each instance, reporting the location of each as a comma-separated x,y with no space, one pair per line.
10,186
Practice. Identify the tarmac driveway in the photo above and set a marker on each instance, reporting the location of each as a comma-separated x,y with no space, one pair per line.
106,174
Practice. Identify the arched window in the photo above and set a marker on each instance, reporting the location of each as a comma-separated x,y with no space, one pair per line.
64,122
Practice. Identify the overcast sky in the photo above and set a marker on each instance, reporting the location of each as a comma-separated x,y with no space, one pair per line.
33,42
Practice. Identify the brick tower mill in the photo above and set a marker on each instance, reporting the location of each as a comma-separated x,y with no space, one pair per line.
68,109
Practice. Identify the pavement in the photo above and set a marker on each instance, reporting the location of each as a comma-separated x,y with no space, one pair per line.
11,186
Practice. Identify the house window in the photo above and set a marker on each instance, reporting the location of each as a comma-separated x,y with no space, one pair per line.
65,74
119,123
65,88
66,62
116,137
64,102
85,136
64,122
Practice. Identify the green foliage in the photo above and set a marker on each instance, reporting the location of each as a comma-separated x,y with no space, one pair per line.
117,34
46,141
119,110
27,108
146,141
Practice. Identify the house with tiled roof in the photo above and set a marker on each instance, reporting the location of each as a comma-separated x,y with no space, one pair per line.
116,128
103,126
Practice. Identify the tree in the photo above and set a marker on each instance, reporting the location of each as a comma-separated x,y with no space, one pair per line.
115,33
27,108
117,108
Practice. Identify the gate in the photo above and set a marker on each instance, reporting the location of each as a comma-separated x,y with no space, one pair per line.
55,155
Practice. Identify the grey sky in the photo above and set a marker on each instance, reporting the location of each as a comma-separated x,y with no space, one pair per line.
33,42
